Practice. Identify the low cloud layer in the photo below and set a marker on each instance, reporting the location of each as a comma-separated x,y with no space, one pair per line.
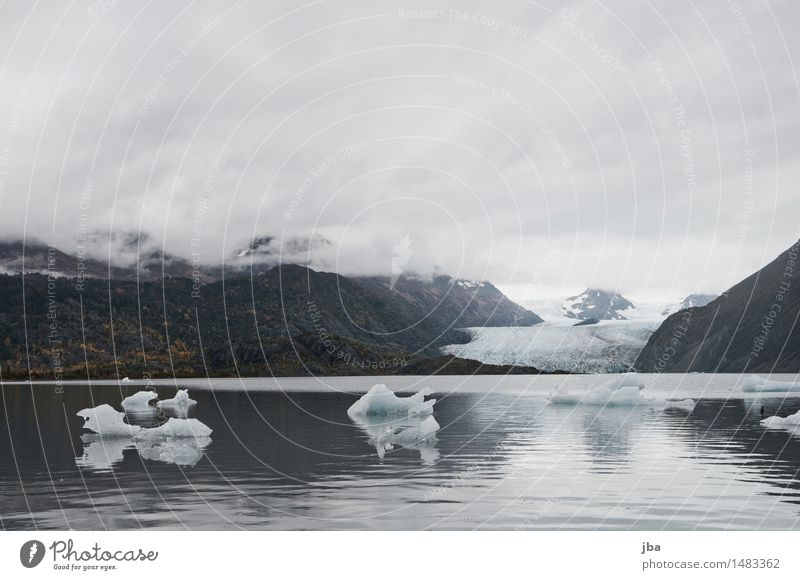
649,148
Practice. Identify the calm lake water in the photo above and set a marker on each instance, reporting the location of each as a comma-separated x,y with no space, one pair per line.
285,455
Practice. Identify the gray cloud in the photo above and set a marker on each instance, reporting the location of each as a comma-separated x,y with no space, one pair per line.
543,148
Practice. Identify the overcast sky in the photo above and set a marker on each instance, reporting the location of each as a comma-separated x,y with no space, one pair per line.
650,147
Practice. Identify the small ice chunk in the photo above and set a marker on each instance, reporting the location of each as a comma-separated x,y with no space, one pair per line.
687,405
754,384
177,428
139,401
624,396
107,421
625,380
792,422
179,404
379,400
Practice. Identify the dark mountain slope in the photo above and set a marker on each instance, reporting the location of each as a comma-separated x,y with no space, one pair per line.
288,321
753,327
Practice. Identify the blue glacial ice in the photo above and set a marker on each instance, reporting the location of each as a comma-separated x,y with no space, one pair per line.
139,402
179,405
379,400
180,441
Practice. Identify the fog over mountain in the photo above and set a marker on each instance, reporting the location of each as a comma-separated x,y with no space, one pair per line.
649,149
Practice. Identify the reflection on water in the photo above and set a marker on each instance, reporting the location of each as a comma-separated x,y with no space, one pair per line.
497,461
410,432
102,453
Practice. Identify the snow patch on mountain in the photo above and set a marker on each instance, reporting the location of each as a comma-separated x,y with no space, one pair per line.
691,301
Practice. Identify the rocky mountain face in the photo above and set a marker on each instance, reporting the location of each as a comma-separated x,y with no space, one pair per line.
597,304
286,321
753,327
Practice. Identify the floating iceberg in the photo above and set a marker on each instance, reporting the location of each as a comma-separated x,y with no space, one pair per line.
411,432
623,396
179,404
754,384
139,402
176,428
619,392
379,400
180,441
108,422
792,422
625,380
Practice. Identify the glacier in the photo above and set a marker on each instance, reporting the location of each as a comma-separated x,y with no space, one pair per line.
611,346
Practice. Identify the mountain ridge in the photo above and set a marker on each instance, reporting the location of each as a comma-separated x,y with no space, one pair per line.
752,327
286,321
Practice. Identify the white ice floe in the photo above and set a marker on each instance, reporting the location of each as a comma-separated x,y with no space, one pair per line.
179,404
139,402
620,392
792,422
107,421
410,432
625,380
379,400
754,384
176,428
602,395
178,441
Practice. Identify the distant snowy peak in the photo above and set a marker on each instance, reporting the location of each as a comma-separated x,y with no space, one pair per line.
470,284
293,250
597,304
691,301
258,245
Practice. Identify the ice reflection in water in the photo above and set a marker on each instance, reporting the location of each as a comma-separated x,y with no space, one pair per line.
145,427
412,432
500,460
